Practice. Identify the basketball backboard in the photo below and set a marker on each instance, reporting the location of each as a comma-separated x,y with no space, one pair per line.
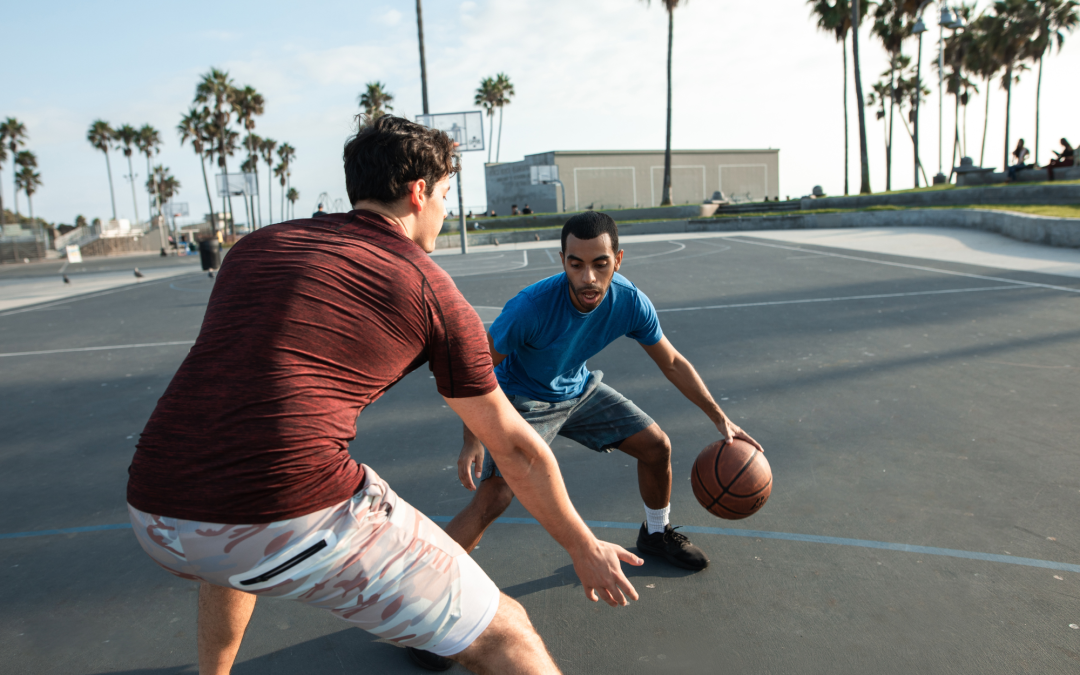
545,173
239,184
176,209
466,128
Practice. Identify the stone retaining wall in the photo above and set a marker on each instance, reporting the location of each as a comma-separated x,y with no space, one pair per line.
1009,194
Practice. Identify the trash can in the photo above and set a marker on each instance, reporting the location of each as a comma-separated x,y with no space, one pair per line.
210,253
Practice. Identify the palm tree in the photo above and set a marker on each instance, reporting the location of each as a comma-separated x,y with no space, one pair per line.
891,27
192,128
504,89
1055,18
880,93
864,161
292,195
13,132
149,143
101,136
164,187
1015,23
909,90
486,95
281,170
267,149
835,18
669,6
423,65
249,104
216,90
375,100
956,57
982,60
3,158
126,137
29,181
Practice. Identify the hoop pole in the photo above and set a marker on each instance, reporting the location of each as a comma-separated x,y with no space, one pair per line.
461,212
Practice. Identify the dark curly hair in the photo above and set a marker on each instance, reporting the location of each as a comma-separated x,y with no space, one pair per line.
386,155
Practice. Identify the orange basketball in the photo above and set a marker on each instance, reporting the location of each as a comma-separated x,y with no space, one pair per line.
731,480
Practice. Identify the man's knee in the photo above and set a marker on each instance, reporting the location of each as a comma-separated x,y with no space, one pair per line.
509,639
652,446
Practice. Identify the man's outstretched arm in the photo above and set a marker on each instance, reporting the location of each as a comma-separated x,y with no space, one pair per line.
529,467
681,373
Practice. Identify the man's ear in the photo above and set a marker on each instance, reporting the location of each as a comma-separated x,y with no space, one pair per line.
618,260
417,194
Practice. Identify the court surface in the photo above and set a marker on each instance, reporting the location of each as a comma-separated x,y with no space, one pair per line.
919,415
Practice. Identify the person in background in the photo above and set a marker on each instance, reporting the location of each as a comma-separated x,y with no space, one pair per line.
527,210
319,213
1067,156
1020,153
514,210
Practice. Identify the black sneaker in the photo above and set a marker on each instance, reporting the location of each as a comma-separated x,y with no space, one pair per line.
427,660
673,546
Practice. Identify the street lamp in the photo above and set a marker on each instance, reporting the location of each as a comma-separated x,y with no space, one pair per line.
946,20
918,29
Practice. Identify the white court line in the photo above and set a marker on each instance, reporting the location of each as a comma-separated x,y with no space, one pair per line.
839,299
523,265
653,255
99,349
912,267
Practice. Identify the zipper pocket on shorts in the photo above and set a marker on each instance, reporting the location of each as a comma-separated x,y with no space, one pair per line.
288,564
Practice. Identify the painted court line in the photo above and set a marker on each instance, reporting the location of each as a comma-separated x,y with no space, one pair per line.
723,531
840,299
910,267
99,349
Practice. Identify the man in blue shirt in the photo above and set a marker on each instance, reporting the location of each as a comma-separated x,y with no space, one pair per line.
540,344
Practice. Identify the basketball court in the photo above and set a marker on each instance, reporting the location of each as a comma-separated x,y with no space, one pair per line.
918,411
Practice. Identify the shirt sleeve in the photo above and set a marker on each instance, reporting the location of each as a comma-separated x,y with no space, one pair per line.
458,351
516,325
646,323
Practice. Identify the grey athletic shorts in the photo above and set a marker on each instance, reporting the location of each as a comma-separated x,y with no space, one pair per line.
599,419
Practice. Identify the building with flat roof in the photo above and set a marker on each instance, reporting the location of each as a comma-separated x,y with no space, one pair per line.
614,179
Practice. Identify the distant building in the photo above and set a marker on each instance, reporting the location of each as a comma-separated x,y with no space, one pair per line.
613,179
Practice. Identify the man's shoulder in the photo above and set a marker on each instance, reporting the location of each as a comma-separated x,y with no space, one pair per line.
625,289
541,291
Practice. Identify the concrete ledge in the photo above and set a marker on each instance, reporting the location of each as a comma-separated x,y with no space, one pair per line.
1005,194
1064,232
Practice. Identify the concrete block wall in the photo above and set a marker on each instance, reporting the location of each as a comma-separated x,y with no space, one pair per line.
1010,194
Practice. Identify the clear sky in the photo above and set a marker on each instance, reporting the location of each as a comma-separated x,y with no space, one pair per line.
589,75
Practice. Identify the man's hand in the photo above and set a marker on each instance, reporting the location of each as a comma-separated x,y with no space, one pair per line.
730,430
472,454
601,574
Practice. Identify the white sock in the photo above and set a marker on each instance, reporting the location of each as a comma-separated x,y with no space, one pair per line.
656,519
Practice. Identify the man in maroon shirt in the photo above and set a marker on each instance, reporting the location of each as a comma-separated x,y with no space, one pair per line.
310,321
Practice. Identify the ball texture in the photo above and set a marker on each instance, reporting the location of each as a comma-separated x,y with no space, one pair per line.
732,480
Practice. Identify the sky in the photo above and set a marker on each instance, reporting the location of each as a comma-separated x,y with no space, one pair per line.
588,76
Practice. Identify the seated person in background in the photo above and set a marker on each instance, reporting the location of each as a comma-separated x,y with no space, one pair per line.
1067,157
319,213
1020,153
514,210
527,211
491,213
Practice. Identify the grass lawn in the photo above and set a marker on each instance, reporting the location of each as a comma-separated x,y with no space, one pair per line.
1053,211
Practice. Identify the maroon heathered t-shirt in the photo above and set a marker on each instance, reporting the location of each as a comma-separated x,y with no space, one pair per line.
309,322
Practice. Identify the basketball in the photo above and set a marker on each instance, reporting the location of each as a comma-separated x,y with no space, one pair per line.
731,480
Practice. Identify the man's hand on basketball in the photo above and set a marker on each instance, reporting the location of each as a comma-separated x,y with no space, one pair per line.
470,461
730,430
601,574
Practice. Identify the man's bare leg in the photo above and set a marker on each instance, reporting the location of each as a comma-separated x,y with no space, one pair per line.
652,449
223,617
492,497
508,646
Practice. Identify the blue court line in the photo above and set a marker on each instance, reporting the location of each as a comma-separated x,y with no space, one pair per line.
692,529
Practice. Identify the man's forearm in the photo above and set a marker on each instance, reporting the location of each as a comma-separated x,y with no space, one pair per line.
682,374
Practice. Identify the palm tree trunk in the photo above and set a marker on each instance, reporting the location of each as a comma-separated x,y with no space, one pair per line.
864,180
253,197
499,147
206,184
134,199
844,54
423,66
918,162
283,216
918,97
1038,96
1008,105
150,195
956,134
1,211
270,193
986,121
491,133
15,182
112,194
666,199
889,143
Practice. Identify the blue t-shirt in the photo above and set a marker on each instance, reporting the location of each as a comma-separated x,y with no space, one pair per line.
547,340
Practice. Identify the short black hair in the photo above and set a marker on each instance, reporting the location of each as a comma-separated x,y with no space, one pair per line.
390,152
590,225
